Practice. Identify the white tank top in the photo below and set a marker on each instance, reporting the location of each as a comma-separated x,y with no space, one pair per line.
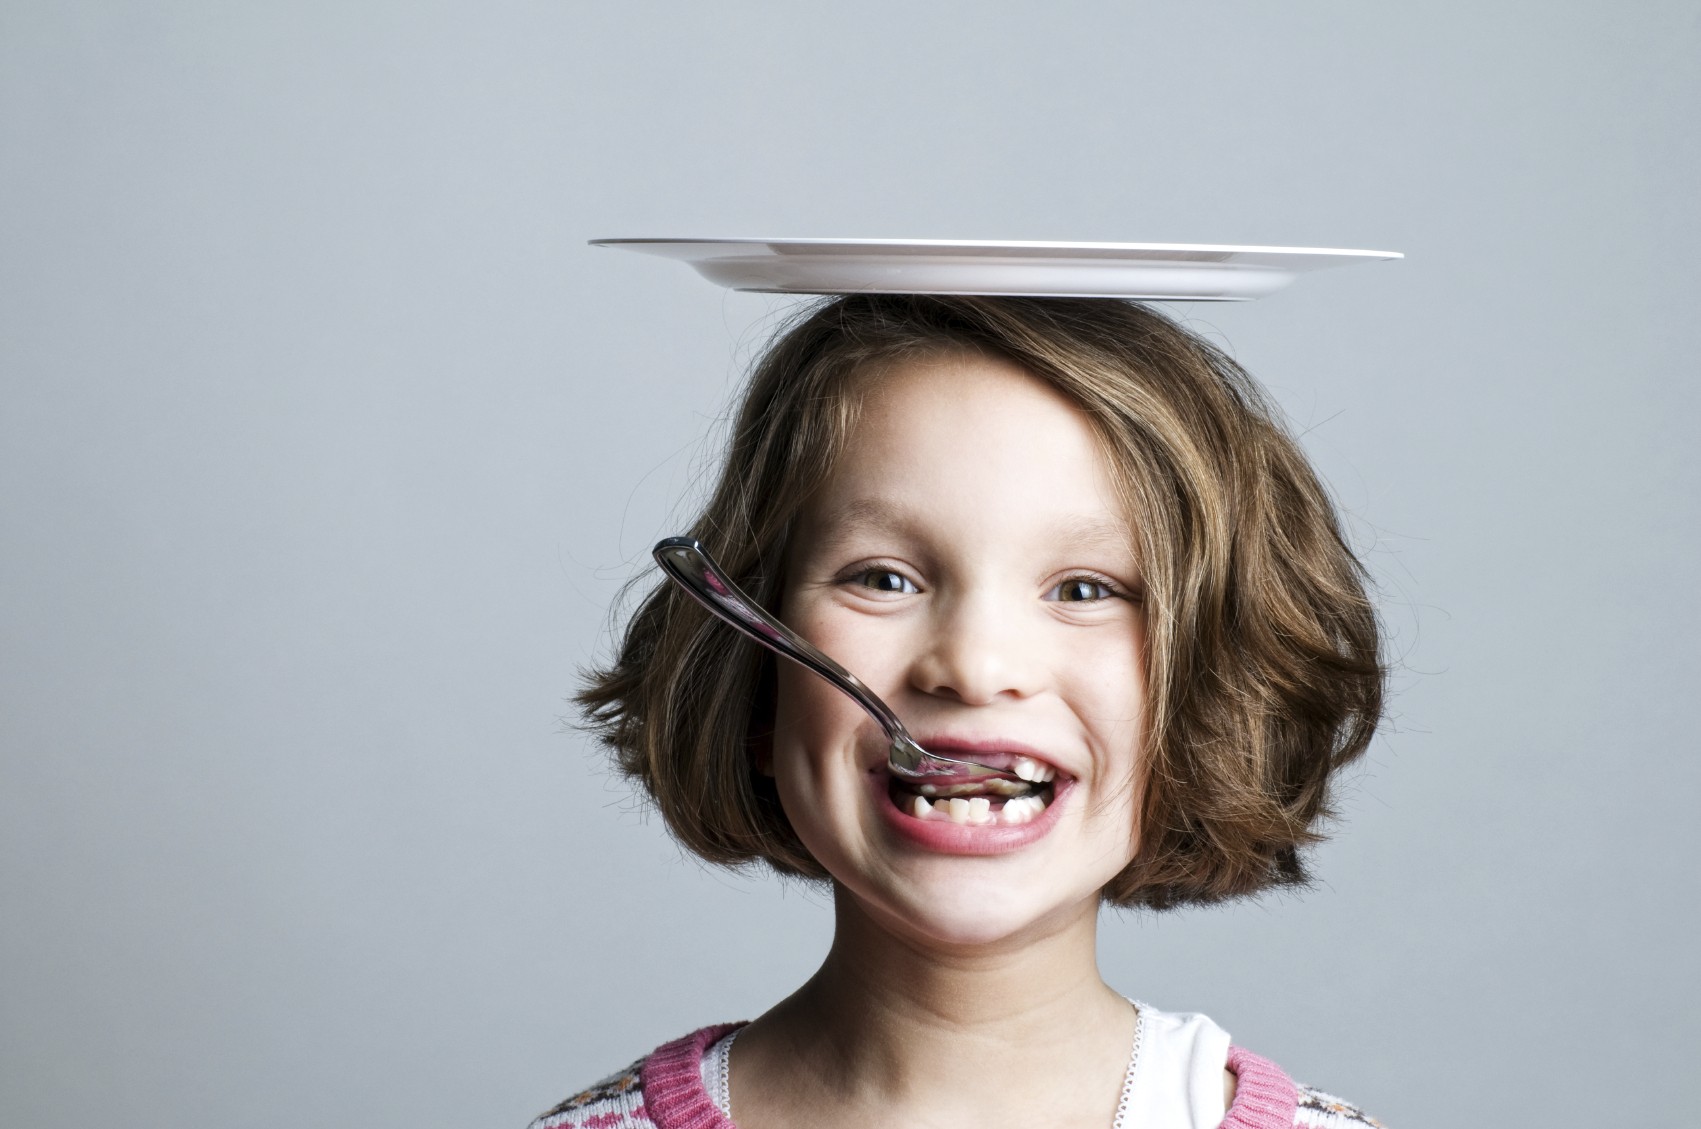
1175,1080
1178,1073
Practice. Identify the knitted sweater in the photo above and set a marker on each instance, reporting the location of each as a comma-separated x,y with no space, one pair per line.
664,1090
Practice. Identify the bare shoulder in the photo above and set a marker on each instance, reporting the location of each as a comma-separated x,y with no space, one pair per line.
1318,1110
615,1102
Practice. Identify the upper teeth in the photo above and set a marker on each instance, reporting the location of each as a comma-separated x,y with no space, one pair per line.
1033,771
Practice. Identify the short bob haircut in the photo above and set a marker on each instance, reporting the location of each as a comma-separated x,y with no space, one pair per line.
1264,672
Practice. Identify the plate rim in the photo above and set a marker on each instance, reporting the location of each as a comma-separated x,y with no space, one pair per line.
1061,246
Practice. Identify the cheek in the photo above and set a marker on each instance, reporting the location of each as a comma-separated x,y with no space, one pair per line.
1111,698
806,710
810,709
817,744
1110,689
821,738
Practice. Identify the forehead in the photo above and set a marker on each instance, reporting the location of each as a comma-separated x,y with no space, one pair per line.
978,445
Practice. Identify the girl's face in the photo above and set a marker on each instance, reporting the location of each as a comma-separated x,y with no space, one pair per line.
970,561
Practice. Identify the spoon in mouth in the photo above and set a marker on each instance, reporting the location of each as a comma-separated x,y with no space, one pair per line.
689,564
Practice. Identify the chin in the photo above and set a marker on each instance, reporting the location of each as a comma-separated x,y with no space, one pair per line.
976,914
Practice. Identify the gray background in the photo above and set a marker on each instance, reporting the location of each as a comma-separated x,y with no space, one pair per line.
326,444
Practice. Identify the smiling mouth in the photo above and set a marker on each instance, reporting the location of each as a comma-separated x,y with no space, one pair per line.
983,801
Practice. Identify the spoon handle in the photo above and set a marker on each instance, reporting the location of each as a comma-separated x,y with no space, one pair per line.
689,564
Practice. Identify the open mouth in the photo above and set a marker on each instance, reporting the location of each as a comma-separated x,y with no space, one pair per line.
980,801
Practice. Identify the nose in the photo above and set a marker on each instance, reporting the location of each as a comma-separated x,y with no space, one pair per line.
978,651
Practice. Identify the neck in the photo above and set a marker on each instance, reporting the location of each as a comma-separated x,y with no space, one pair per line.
1008,1020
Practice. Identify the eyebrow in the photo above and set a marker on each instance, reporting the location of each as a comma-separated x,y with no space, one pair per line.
1095,532
865,515
880,515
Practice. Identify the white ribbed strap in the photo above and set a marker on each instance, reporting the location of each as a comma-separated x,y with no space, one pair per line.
717,1073
1133,1060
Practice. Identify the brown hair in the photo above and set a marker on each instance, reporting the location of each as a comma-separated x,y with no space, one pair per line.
1263,665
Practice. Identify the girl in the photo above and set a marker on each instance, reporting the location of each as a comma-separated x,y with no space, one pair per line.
1063,536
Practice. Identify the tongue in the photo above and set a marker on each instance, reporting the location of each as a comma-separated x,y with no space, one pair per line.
991,788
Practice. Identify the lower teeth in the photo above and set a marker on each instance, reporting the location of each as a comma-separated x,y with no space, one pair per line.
977,810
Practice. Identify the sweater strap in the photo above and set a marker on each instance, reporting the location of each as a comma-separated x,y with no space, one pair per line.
1264,1096
672,1079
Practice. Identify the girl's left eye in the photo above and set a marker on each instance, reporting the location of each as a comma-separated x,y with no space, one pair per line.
1080,589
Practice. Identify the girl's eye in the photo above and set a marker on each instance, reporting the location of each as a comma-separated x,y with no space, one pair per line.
1081,589
885,580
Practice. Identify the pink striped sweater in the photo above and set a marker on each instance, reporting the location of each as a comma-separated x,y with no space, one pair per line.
664,1090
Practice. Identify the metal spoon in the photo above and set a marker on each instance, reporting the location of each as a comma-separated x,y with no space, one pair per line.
686,561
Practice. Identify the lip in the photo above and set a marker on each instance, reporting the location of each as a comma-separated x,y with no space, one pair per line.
944,837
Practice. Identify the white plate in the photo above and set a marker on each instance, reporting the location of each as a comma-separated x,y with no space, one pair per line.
1152,271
